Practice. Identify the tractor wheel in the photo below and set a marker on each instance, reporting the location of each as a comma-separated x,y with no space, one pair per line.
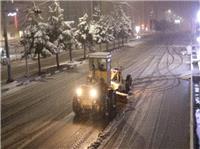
95,110
128,83
76,107
102,108
114,100
106,107
110,105
113,103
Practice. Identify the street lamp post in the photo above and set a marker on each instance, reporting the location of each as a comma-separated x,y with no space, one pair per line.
10,79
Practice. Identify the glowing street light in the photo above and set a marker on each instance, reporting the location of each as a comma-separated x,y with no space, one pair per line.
169,11
137,29
177,21
198,39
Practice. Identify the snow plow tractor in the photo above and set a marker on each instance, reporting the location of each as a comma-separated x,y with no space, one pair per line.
103,88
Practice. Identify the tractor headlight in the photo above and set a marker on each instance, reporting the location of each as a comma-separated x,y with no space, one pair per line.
93,93
79,91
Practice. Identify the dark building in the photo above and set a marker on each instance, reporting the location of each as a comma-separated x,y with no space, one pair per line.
15,13
76,9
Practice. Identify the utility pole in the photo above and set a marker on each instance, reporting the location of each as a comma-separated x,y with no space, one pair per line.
9,79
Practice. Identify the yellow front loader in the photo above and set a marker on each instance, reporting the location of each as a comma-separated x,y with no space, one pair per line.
99,94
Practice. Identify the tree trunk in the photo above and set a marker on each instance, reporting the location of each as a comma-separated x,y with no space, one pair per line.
114,45
57,61
106,46
39,65
84,47
118,43
100,47
70,54
90,47
26,61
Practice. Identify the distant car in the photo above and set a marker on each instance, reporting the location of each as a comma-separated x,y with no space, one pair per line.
3,56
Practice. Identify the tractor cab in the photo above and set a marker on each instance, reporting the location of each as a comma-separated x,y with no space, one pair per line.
100,67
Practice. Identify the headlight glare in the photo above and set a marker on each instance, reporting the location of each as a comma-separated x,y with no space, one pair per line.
79,91
93,93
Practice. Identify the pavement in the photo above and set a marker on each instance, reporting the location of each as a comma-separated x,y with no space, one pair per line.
156,116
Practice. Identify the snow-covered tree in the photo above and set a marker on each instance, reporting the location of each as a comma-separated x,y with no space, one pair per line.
82,33
126,25
35,39
67,39
122,24
56,26
60,32
108,29
96,29
96,14
100,28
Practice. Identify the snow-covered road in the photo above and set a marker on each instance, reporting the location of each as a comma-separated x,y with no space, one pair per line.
157,115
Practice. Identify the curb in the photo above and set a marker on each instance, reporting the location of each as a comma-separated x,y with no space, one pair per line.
194,88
